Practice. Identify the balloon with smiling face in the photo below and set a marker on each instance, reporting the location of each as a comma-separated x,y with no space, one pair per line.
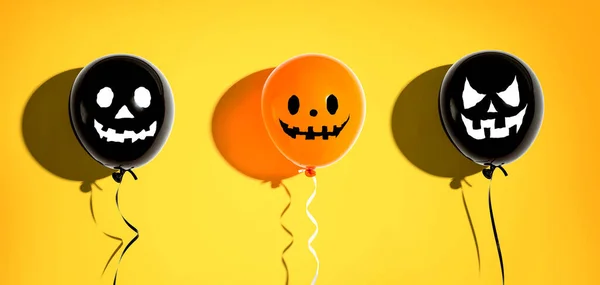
491,106
313,107
121,109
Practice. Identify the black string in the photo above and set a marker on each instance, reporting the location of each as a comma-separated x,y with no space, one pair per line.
118,177
488,173
495,232
472,230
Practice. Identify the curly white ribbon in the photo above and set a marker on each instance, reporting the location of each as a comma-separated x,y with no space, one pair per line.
314,235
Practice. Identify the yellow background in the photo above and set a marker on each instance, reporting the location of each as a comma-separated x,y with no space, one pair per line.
382,220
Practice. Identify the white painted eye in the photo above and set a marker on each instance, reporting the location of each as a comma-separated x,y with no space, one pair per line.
511,95
470,96
142,97
104,97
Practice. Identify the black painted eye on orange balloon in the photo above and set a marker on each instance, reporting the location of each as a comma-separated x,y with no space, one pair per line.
332,104
293,105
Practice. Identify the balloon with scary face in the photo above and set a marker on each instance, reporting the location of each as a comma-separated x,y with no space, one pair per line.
491,106
314,108
121,110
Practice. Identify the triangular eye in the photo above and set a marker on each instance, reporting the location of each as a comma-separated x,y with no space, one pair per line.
470,96
511,95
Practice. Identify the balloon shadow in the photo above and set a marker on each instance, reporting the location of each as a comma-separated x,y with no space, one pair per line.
47,133
241,137
419,133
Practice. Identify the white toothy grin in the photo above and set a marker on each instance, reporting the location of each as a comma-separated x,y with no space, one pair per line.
112,136
486,128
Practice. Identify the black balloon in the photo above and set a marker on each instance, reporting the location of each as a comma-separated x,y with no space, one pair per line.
491,106
122,111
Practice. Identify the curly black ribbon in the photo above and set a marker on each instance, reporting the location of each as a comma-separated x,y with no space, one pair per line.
118,177
488,173
495,232
472,229
287,272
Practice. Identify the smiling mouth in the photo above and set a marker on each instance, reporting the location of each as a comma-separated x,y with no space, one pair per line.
112,136
310,133
494,128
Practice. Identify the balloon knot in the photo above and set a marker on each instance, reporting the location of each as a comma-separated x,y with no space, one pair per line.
118,176
489,172
310,172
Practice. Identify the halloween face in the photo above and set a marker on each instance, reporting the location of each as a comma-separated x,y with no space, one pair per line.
483,119
122,110
490,99
314,109
314,132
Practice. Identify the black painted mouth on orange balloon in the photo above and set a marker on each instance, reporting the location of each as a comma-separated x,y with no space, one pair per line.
310,133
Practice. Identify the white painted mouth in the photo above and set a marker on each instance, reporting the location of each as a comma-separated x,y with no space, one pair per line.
488,129
112,136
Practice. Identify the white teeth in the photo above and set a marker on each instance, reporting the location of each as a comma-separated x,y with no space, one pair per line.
98,128
130,134
97,125
487,123
152,130
495,133
112,136
499,132
516,120
476,134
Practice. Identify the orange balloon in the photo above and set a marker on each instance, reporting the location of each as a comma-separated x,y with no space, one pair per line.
313,107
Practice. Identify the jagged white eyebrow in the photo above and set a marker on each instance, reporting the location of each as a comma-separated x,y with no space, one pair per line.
470,96
511,95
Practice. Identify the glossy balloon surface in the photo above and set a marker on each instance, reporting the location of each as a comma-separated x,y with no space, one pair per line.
491,106
122,110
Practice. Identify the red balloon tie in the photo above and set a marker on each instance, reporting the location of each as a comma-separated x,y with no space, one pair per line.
310,172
